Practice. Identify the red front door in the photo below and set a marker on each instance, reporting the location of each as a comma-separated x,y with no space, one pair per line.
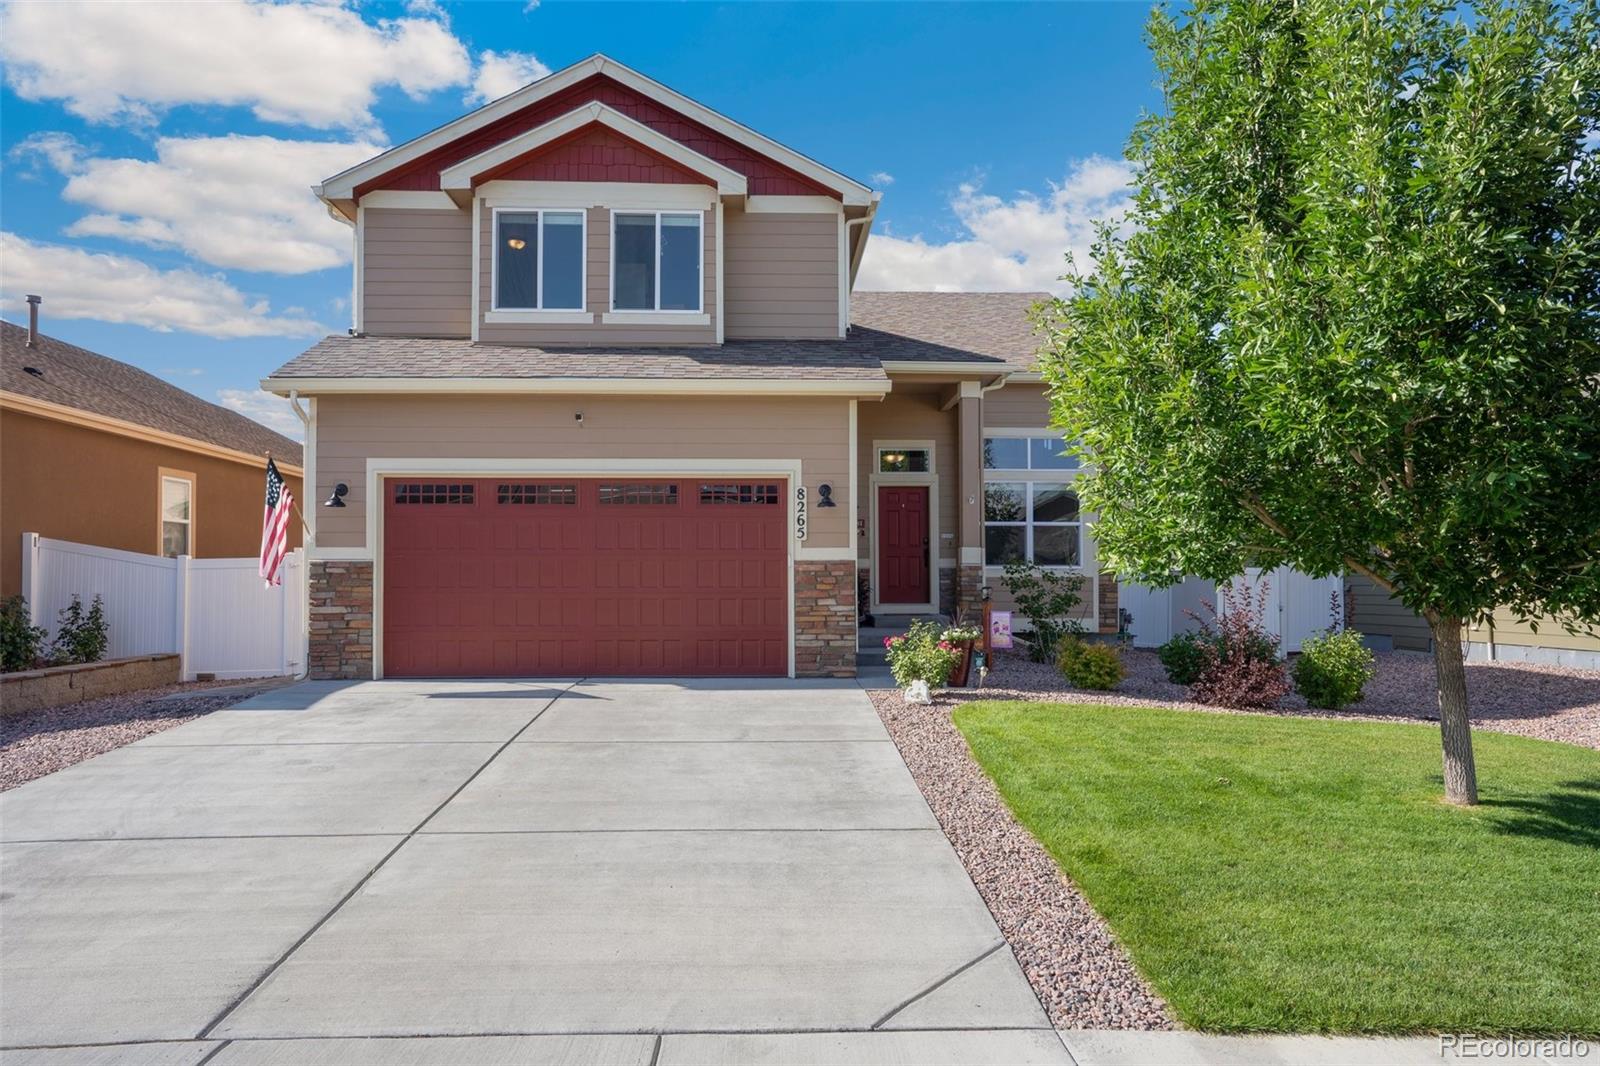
520,576
902,544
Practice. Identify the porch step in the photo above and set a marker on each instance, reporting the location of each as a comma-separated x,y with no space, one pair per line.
869,639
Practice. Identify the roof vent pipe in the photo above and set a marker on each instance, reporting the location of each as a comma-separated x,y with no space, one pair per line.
33,320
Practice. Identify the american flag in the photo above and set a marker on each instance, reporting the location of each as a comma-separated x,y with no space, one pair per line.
275,525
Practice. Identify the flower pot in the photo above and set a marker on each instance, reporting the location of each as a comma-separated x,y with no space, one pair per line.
963,667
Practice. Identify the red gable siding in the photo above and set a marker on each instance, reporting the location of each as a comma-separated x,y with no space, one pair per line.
767,177
595,153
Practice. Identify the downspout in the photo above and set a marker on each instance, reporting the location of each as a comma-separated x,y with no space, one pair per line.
307,541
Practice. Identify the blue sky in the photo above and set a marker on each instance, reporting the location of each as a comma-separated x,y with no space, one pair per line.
155,165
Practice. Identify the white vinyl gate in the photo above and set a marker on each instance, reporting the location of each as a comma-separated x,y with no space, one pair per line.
1297,606
217,614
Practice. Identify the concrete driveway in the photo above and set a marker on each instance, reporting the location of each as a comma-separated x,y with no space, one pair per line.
537,871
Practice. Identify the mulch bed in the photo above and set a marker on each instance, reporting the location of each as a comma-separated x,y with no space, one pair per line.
1079,971
42,742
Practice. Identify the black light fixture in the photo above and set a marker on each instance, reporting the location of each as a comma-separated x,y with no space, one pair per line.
825,494
337,499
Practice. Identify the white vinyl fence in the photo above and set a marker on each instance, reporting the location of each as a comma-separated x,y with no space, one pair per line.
215,613
1297,605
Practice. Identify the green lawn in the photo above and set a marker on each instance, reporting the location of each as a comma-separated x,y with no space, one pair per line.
1294,874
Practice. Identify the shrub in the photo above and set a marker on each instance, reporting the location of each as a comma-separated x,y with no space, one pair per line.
1046,599
1184,657
1333,668
21,642
921,655
81,636
1091,666
1242,668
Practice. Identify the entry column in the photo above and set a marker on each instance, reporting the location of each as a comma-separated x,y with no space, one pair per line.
969,498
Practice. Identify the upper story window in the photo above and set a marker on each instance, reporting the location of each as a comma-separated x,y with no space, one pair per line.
656,261
177,516
538,260
1027,453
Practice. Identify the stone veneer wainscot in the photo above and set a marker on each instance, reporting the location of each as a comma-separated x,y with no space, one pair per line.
341,620
825,619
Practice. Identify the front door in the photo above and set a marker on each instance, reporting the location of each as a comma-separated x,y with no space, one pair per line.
903,544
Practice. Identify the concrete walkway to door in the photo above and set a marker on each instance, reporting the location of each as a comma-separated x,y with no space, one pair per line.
557,871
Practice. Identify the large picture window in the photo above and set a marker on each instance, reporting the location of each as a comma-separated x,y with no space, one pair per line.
656,261
538,260
1031,521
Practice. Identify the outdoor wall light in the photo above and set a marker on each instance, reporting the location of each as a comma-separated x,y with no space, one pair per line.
825,492
337,499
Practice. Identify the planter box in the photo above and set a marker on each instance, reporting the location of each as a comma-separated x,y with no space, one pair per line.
55,686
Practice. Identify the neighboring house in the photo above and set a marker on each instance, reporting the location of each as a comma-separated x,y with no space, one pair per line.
99,452
610,406
1378,615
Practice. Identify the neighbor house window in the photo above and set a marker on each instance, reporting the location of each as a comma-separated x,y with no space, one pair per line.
538,260
656,261
177,517
1031,521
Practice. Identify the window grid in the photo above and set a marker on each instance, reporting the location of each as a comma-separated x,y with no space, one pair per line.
739,494
1028,524
644,493
537,494
430,492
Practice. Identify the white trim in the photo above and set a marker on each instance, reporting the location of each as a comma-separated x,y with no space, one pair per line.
409,200
929,480
477,265
793,205
969,390
930,366
564,386
552,315
342,185
721,302
616,194
854,518
823,555
540,318
161,512
844,276
970,556
358,280
380,468
656,318
459,176
644,316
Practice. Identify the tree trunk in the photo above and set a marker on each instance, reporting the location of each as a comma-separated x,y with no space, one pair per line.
1455,729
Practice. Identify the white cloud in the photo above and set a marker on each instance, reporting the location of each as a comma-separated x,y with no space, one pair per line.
309,63
1008,245
115,288
60,151
243,203
500,73
881,177
271,411
183,371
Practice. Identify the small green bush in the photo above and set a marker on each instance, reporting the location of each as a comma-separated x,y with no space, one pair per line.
21,642
1184,657
1046,599
81,636
921,655
1091,666
1332,669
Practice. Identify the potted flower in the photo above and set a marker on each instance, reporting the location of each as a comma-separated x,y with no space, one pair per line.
960,639
921,658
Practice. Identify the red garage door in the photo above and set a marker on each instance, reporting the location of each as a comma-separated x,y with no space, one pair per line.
552,577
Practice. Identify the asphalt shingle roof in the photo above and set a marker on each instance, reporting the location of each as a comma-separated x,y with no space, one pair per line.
76,377
931,327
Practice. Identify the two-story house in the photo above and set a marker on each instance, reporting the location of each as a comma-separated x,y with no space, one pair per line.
610,405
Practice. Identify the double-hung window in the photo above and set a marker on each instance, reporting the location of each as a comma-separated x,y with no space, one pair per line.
538,260
656,261
177,516
1030,508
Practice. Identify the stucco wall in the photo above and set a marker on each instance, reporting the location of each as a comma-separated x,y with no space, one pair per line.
351,429
73,483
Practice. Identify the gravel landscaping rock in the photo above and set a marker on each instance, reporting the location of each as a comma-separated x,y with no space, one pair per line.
42,742
1080,973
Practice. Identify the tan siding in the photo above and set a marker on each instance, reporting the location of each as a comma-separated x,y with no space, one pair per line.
910,416
1377,613
1508,629
782,275
416,269
597,293
1017,407
352,429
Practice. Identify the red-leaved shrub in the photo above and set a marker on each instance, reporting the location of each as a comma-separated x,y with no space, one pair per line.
1242,668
